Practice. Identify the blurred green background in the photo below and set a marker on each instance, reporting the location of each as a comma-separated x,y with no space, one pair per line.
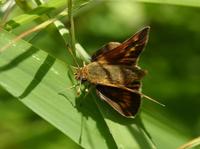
172,58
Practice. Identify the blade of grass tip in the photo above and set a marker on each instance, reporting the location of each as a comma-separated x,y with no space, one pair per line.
190,144
34,29
81,53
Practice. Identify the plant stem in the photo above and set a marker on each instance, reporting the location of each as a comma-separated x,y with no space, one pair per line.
71,31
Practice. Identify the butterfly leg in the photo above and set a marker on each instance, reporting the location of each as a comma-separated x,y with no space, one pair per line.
73,86
85,94
79,88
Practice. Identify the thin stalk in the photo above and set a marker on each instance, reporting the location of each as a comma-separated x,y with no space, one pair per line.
72,48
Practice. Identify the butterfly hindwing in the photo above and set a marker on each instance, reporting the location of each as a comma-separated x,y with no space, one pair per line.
123,101
126,53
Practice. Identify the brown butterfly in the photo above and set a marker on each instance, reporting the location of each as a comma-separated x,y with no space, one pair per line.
116,75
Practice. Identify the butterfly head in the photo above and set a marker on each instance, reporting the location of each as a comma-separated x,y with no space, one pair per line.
81,74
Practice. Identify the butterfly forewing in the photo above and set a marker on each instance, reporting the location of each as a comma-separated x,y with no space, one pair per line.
125,102
109,46
126,53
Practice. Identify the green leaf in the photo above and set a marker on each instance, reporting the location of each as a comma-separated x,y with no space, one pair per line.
40,82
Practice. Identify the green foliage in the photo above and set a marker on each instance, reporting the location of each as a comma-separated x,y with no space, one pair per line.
37,72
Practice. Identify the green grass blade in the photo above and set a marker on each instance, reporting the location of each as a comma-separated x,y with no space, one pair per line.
128,133
40,82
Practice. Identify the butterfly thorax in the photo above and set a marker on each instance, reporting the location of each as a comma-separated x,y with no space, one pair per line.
98,73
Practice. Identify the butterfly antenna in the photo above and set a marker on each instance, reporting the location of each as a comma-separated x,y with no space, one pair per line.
143,95
153,100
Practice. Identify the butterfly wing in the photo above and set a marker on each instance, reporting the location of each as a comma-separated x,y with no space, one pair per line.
109,46
125,102
125,53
